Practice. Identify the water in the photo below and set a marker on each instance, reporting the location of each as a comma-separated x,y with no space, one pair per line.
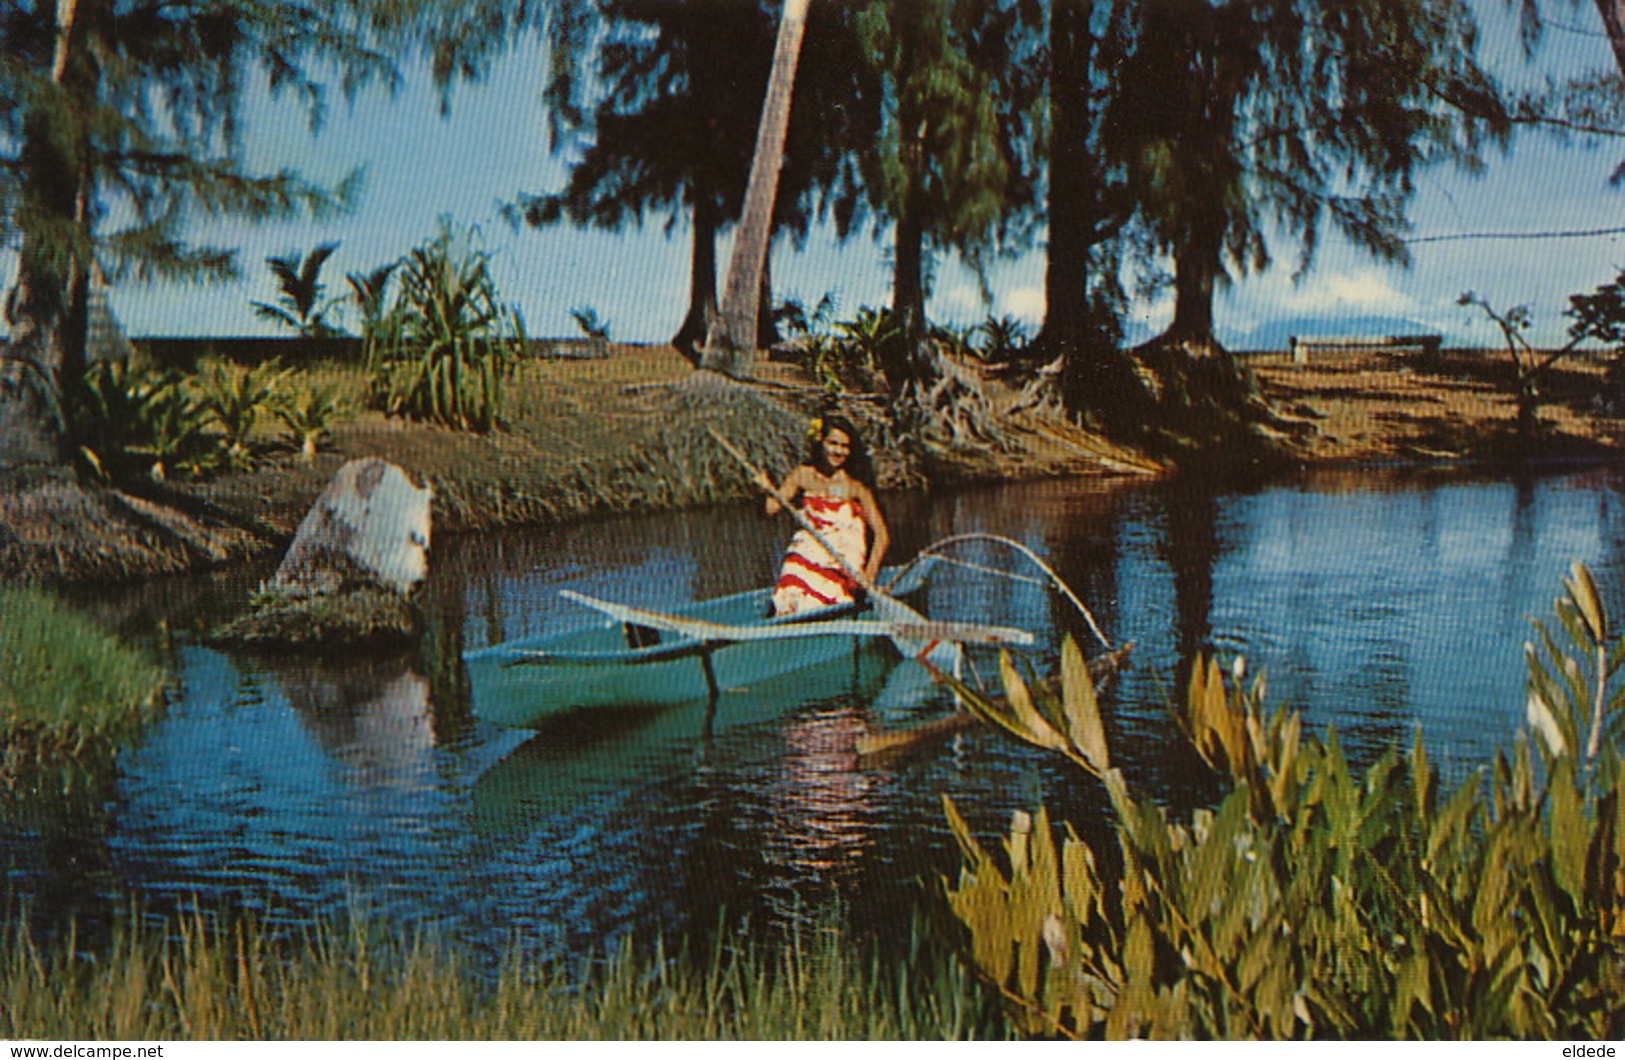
1378,603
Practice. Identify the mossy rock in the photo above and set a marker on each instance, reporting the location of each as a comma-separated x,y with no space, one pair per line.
364,616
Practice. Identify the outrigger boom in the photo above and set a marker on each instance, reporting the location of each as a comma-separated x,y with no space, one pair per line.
704,630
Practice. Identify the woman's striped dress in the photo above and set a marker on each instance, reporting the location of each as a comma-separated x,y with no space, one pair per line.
811,578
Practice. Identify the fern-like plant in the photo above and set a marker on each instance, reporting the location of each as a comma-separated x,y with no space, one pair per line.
236,398
309,414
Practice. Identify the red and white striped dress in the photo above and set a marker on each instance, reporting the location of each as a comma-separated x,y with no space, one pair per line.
811,578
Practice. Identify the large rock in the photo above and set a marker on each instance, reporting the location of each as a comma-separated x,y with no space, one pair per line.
348,576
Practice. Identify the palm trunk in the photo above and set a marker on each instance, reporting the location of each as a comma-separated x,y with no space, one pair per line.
767,331
731,345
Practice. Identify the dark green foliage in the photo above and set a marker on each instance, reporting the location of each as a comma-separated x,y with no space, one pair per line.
1310,901
590,324
450,341
132,415
999,339
951,167
1233,117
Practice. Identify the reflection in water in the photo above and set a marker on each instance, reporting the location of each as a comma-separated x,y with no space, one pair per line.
1377,604
371,714
821,798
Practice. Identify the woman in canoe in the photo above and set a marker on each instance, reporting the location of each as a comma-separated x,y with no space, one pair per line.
834,489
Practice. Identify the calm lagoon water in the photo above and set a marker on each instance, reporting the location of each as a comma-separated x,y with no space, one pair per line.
1379,603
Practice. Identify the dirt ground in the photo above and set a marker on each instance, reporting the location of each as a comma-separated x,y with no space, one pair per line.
1379,406
590,436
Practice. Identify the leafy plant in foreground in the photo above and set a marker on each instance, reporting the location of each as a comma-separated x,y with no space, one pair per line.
1309,901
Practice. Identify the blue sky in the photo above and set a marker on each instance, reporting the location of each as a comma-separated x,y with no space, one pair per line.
494,145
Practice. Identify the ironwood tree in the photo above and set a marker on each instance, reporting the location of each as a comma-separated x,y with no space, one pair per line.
122,123
673,129
1234,119
953,169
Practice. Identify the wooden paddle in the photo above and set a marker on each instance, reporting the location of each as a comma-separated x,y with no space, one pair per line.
945,654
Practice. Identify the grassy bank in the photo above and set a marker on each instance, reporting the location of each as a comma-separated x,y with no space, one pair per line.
353,982
67,687
627,432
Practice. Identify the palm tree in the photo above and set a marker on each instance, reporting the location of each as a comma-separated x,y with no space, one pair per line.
301,292
731,340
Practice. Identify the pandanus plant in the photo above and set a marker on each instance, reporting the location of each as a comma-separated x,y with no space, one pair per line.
452,339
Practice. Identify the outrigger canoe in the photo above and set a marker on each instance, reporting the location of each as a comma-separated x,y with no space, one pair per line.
632,656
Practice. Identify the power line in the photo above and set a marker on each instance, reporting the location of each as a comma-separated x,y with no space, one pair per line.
1584,233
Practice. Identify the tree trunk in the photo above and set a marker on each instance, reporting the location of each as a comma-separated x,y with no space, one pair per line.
1613,20
731,345
1196,273
48,307
702,281
1066,263
908,299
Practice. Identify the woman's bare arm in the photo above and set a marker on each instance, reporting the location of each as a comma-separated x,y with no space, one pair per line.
877,525
782,496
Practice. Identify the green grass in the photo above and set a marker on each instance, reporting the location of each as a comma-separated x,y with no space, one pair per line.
354,982
66,685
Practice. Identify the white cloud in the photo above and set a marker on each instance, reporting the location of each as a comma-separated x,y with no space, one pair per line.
1367,290
1026,303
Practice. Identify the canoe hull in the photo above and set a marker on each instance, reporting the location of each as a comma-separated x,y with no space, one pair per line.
524,683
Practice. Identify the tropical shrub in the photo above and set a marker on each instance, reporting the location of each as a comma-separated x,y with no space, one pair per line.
236,398
999,339
840,354
127,413
590,324
1310,901
451,341
308,415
